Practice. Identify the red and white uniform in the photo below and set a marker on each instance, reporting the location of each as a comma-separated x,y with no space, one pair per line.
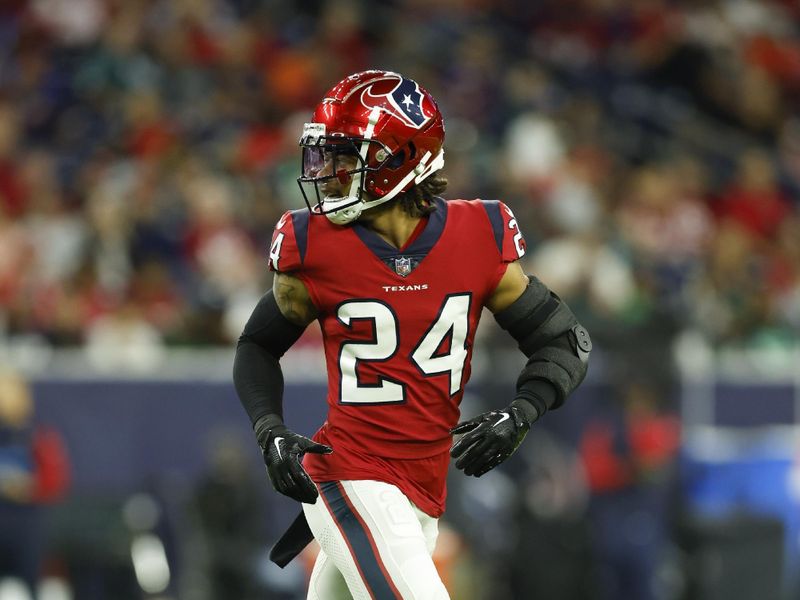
398,327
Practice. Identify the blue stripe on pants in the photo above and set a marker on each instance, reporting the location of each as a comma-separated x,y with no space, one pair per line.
370,565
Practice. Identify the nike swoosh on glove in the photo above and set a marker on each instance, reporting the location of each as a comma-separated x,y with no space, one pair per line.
491,437
283,450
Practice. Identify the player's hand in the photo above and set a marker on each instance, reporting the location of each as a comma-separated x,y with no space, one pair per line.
283,451
491,437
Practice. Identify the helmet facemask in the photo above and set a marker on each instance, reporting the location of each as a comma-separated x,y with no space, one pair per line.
333,162
346,160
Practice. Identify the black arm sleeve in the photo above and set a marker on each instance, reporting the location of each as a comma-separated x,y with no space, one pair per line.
257,373
556,345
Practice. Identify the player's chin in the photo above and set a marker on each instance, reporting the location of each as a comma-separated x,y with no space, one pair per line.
334,193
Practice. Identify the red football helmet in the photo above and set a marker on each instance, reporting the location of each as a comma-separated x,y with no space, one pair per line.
376,130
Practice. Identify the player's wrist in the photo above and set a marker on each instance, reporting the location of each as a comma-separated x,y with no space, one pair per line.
523,412
265,426
539,393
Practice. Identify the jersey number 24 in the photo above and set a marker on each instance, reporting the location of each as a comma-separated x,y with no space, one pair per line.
431,356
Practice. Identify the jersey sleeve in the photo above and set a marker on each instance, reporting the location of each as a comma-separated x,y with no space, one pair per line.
287,251
507,235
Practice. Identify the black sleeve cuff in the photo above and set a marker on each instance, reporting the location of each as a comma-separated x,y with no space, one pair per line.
540,393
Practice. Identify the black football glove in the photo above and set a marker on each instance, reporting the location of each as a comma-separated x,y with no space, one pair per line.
491,437
283,450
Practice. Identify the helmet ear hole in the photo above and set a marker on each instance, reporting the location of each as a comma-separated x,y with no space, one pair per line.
397,160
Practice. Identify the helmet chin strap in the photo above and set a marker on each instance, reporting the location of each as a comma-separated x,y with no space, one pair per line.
422,171
346,214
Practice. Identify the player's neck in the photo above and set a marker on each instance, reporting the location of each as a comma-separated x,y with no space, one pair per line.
393,224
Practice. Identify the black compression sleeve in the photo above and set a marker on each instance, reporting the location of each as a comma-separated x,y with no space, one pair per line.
259,381
257,373
268,328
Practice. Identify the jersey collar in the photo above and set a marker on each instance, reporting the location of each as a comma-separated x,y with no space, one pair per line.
420,247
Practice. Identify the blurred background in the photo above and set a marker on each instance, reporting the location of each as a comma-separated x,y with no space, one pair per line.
651,153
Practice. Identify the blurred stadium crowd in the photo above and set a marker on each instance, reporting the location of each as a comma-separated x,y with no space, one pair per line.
651,151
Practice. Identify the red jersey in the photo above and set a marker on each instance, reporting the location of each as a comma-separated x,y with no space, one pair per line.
398,327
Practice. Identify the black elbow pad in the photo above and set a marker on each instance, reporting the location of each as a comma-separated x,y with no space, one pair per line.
562,362
548,333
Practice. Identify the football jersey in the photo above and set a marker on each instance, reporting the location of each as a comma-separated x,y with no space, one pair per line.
398,327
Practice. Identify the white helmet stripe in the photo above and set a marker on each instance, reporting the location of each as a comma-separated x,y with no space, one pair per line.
373,119
352,205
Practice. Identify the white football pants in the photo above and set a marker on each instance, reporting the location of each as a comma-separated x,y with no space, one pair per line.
374,542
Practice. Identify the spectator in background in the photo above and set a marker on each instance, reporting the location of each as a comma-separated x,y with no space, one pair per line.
13,195
16,257
731,299
124,341
784,277
754,201
228,506
33,472
665,226
628,455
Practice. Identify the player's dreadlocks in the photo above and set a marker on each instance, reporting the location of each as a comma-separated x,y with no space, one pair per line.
418,201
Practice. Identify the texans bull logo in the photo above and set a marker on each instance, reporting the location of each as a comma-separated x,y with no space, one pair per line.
405,98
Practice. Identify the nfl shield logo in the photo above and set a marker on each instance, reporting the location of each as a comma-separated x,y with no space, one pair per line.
402,266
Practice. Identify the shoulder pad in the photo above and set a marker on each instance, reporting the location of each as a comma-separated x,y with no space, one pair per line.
507,235
287,251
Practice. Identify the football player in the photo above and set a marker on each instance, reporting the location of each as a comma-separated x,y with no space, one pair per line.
397,278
